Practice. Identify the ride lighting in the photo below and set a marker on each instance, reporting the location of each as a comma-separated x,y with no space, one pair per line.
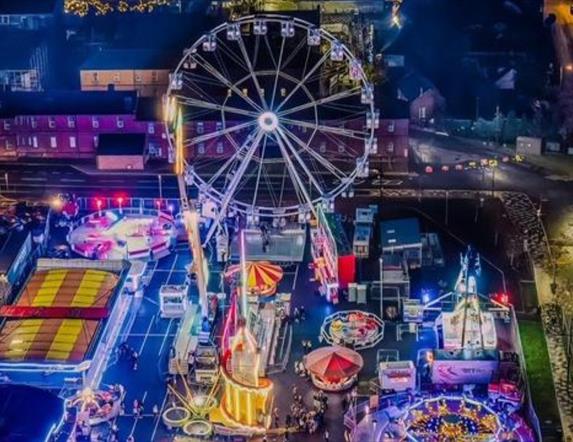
313,37
301,215
260,27
355,70
373,120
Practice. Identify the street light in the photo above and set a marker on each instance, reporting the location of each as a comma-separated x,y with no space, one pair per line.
98,205
120,203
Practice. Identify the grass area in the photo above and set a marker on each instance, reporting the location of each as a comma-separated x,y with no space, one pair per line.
539,371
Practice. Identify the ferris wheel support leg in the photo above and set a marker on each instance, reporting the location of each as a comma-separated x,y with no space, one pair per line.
255,139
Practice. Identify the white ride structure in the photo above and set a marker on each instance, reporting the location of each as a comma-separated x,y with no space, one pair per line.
268,117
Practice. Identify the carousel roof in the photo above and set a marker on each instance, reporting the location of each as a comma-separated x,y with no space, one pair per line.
260,274
334,362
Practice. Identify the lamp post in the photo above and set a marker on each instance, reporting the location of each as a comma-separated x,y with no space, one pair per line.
120,204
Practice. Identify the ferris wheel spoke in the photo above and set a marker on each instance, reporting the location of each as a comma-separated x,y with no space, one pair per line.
252,72
218,133
278,69
329,99
193,102
340,131
294,52
319,158
251,143
231,54
213,71
304,79
302,164
264,148
295,177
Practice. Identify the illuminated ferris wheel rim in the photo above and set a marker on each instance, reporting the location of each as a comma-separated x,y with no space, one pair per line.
270,120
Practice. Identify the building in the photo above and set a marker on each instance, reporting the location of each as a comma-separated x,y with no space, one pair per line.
26,14
424,99
68,124
402,236
121,152
143,71
392,136
23,65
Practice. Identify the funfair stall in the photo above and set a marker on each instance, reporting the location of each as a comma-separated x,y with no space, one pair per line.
333,368
333,260
397,375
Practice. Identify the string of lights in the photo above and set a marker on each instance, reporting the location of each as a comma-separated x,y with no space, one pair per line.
103,7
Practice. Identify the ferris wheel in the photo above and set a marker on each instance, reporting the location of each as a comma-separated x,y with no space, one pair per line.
276,117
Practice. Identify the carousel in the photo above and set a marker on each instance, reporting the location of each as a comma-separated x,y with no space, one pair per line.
333,368
262,277
357,329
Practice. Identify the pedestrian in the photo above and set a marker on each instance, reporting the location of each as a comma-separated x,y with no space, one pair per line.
276,416
326,435
302,313
155,410
296,314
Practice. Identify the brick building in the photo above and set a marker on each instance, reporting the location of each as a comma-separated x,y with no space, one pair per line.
68,124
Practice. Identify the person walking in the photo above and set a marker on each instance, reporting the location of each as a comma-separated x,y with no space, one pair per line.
326,435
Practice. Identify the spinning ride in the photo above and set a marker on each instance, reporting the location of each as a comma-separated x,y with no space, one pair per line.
292,119
333,368
359,329
452,418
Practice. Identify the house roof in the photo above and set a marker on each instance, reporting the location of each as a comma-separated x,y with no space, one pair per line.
21,7
66,103
400,232
18,56
412,85
389,105
121,144
131,59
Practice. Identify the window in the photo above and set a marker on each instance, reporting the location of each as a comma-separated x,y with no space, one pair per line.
138,78
119,123
95,141
154,76
53,142
322,147
33,122
95,77
150,128
6,125
390,147
283,92
71,122
51,122
35,142
116,77
391,127
245,92
219,147
4,19
201,148
341,148
200,127
73,142
218,126
95,123
422,113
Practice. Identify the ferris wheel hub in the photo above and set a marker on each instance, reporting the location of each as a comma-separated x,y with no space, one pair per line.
268,121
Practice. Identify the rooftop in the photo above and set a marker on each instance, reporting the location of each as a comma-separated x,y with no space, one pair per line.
131,59
66,103
121,144
27,6
400,232
18,56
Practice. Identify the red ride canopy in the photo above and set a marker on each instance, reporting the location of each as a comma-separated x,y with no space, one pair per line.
20,311
334,363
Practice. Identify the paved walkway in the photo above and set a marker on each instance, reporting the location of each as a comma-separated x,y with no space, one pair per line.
523,214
